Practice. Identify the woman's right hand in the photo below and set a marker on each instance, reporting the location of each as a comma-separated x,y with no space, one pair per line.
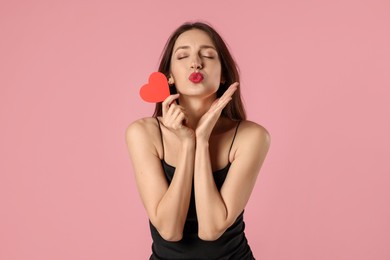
174,118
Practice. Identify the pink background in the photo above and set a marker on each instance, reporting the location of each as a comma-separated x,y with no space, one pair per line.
314,73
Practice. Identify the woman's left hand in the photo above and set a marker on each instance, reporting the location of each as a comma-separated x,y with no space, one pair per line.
210,118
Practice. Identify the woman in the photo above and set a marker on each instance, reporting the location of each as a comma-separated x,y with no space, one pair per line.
197,159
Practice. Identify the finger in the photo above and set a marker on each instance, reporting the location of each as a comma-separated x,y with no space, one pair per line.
222,104
229,92
173,108
181,119
176,113
176,120
167,102
232,88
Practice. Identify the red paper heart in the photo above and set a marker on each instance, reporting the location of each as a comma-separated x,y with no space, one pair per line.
157,89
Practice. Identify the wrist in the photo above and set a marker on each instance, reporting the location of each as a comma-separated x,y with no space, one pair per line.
202,142
188,144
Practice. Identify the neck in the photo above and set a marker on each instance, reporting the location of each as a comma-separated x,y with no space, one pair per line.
195,108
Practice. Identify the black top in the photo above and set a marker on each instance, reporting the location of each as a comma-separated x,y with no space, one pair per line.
231,245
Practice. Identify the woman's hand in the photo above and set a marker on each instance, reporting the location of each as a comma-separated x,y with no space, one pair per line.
174,118
208,120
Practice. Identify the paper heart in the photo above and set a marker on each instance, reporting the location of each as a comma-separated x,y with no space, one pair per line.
157,89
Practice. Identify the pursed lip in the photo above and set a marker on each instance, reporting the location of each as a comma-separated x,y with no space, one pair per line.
196,77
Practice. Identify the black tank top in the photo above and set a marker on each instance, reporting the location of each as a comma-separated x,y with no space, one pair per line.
232,245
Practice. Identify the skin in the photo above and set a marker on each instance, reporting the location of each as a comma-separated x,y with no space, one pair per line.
196,141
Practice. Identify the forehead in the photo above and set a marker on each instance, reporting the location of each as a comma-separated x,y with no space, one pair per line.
193,38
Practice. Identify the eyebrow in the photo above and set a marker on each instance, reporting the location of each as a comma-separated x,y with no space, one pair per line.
202,47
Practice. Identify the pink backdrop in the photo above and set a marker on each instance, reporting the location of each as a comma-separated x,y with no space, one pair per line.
314,73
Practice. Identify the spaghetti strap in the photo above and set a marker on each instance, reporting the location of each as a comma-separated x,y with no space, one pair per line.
162,141
234,137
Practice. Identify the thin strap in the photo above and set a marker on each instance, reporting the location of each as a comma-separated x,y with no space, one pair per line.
234,137
162,141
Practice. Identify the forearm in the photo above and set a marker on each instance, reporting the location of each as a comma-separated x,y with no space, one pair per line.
171,211
210,207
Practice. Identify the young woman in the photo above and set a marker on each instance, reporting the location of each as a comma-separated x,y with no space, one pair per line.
197,159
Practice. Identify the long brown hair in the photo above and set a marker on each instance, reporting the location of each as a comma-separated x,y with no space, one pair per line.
234,110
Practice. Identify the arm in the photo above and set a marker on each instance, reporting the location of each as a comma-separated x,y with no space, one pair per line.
216,210
166,205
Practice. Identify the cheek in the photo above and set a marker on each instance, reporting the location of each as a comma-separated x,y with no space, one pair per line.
175,71
217,75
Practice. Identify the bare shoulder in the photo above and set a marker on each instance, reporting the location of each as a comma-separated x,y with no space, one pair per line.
142,132
142,127
252,144
250,131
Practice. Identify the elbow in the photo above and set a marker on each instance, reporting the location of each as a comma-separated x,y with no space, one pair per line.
209,235
213,233
171,232
171,236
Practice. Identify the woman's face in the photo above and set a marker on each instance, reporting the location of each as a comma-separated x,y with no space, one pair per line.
194,51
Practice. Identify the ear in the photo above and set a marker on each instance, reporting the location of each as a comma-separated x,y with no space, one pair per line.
170,80
223,80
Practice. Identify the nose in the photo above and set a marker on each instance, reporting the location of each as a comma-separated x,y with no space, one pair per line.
196,64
